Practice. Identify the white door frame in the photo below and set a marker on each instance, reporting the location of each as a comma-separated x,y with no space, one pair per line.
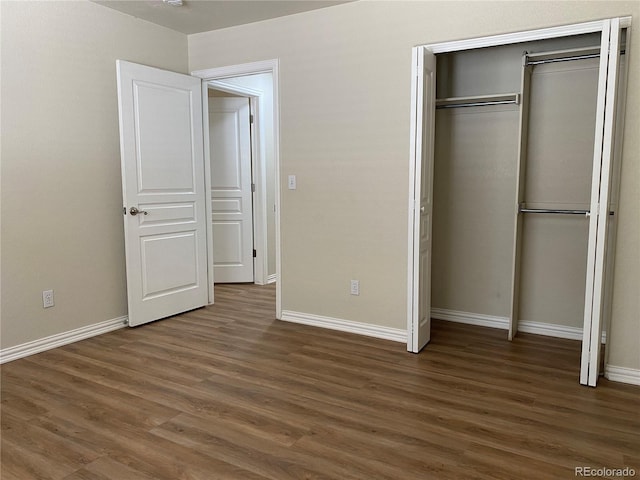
218,75
417,111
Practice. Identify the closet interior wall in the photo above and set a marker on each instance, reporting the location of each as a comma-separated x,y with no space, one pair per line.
475,179
558,173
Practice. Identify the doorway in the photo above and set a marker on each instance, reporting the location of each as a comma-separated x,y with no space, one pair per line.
610,35
257,82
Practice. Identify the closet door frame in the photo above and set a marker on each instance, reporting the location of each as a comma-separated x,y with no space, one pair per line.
606,135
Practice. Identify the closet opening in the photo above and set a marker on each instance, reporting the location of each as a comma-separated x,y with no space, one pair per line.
514,155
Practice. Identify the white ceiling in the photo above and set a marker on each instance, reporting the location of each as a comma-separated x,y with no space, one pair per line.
203,15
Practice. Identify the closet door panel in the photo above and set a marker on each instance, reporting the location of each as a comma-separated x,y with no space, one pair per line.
474,185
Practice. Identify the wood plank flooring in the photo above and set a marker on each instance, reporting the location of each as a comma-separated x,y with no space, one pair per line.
227,392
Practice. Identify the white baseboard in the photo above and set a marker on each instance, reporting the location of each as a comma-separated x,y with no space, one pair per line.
271,278
622,374
550,330
470,318
386,333
538,328
59,339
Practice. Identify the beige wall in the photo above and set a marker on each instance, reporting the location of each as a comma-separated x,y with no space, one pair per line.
61,192
345,102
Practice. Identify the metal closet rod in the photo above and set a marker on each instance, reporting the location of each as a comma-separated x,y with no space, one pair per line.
478,104
553,210
556,211
566,59
479,100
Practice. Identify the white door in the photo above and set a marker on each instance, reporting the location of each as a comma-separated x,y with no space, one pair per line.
231,195
423,143
162,154
599,217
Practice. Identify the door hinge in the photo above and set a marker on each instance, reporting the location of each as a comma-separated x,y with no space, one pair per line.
253,187
124,210
251,118
255,254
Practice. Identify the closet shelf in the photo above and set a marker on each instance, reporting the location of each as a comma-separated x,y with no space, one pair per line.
478,100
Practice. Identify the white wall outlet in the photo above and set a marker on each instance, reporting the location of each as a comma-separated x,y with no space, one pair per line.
47,299
355,287
292,182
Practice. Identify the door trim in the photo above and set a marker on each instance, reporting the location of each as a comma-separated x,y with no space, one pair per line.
219,74
524,36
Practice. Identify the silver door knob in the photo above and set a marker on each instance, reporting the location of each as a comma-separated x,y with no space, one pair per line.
134,211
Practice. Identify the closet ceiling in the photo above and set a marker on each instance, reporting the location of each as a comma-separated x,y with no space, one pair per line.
203,15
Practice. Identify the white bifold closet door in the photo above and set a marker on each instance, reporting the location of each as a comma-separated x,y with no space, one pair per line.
421,209
600,197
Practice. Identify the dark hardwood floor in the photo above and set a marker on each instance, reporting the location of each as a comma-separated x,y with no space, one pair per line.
227,392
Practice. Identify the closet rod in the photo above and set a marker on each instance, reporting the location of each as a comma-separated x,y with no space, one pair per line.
478,104
551,210
566,59
556,211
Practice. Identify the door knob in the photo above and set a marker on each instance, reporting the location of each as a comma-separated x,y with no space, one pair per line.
134,211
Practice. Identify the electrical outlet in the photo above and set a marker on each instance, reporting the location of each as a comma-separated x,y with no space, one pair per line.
355,287
47,299
292,182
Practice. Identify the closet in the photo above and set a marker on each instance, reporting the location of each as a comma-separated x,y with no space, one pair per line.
511,152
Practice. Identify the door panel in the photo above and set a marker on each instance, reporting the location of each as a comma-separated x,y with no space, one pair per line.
424,146
164,268
227,243
231,196
162,155
162,115
600,196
